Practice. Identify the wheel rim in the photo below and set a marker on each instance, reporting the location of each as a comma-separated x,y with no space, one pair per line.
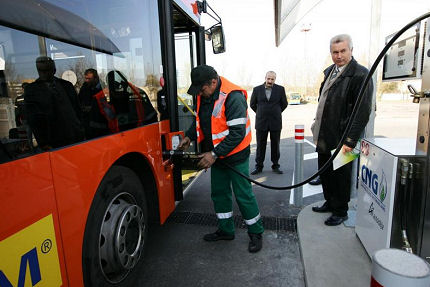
121,237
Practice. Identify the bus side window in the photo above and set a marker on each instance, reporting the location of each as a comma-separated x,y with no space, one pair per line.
17,53
132,105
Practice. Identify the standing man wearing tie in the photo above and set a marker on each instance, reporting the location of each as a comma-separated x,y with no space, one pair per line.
338,94
268,101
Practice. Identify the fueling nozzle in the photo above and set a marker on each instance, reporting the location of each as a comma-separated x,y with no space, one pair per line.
418,95
404,168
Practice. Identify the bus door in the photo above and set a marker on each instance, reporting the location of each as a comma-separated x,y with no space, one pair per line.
183,49
186,56
183,42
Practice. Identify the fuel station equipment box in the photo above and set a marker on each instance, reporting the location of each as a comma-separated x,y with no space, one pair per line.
389,199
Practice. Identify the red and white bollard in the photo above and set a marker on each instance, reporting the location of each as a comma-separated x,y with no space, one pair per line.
299,133
398,268
298,163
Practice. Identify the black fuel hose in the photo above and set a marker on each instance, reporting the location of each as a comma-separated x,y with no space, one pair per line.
353,114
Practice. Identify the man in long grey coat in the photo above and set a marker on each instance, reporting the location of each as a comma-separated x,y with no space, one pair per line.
338,94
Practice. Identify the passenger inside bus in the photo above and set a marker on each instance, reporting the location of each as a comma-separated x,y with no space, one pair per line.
52,109
94,120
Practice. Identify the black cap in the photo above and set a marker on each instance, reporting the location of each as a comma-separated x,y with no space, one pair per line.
200,75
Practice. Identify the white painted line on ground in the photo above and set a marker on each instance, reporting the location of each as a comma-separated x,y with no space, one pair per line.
308,190
310,156
311,143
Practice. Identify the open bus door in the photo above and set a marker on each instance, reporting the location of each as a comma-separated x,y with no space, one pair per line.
189,52
184,49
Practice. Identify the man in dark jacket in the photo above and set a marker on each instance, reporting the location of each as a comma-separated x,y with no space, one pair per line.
224,132
94,122
268,101
52,108
338,93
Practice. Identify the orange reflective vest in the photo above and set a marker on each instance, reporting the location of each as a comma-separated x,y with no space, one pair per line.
219,123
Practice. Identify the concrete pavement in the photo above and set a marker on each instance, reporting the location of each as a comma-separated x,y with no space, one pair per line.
331,255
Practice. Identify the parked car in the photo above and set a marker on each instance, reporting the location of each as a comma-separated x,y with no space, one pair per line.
294,98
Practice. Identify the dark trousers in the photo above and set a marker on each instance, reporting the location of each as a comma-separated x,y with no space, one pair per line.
275,137
336,185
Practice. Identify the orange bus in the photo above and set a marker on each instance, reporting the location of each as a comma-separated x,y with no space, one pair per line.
77,215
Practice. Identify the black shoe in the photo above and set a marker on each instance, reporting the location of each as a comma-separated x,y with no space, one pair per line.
277,170
218,235
316,181
255,242
323,208
335,220
256,171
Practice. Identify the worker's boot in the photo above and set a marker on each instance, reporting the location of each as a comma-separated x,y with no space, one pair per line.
218,235
255,242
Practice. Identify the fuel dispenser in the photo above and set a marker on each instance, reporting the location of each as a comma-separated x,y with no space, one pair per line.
393,204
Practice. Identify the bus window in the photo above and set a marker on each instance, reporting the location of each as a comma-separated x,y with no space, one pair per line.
115,36
131,26
18,51
131,104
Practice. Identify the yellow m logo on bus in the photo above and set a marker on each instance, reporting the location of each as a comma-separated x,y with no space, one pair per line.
30,257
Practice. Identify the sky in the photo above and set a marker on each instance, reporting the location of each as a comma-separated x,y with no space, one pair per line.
301,57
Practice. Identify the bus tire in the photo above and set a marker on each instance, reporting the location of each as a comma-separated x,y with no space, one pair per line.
116,231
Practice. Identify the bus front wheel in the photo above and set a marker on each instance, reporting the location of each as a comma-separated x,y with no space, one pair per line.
116,231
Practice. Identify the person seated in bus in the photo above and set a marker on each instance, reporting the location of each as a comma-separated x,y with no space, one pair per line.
52,108
94,120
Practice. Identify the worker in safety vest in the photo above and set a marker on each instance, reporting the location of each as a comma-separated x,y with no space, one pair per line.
223,130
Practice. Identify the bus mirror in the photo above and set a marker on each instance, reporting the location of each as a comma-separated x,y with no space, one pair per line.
218,42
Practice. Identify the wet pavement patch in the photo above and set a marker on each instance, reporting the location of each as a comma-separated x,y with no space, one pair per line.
288,224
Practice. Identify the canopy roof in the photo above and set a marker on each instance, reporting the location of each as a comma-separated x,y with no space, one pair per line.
288,13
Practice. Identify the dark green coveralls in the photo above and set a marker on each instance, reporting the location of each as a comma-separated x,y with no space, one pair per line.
224,180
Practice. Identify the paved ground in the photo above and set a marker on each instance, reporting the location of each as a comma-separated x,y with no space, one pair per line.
331,255
177,255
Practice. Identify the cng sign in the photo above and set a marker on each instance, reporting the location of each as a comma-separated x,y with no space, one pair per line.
30,257
375,184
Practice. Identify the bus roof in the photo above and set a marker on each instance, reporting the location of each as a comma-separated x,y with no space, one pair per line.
44,19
